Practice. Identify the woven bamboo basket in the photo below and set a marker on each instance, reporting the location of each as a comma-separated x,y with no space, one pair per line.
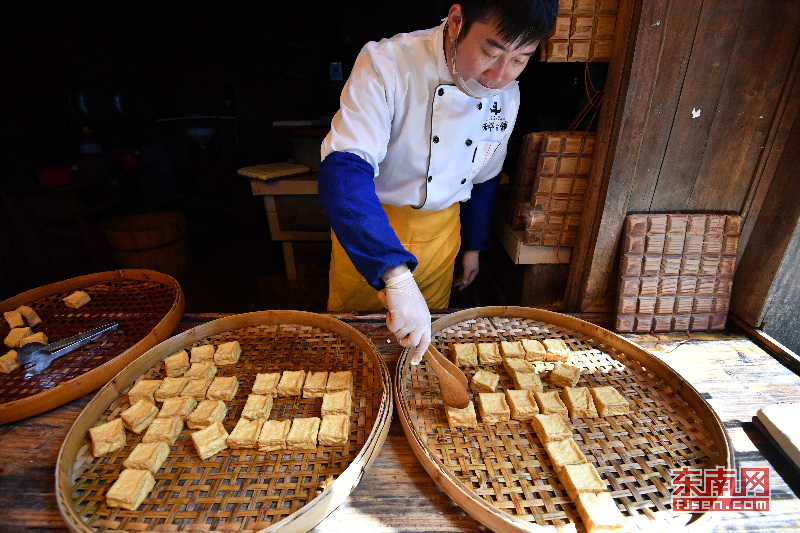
242,490
500,473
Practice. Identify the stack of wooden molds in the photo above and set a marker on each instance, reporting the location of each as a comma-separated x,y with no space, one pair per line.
584,31
549,186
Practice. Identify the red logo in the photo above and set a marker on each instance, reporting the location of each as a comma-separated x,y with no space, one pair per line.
719,489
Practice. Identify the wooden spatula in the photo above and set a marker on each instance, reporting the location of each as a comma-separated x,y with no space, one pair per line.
452,381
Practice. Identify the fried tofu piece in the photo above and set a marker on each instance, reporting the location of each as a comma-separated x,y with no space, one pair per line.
144,389
550,428
599,512
257,406
273,435
557,350
512,350
8,362
579,402
303,434
291,383
30,316
227,353
609,401
522,404
197,389
334,430
517,365
77,299
484,381
14,336
164,429
36,337
130,489
493,407
205,370
564,452
534,350
176,364
206,413
245,434
223,388
147,456
210,440
337,403
14,319
564,375
465,354
339,381
108,437
138,416
180,406
461,418
581,478
314,385
170,388
203,353
489,353
266,384
550,403
527,381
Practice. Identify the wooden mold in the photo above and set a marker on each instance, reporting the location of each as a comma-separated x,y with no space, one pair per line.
500,473
236,489
584,31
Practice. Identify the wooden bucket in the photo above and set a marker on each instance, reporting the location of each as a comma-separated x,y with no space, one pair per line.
154,241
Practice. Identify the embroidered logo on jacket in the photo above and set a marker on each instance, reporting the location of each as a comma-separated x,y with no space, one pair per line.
495,122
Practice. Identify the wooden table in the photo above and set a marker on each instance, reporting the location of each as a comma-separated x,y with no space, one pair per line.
396,494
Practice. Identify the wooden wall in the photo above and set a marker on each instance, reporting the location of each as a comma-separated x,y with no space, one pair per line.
695,111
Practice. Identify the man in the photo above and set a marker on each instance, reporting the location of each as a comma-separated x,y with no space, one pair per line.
411,164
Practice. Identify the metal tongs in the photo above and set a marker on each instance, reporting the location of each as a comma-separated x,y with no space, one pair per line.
35,357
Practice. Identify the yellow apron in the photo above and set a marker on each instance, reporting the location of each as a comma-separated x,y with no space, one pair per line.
434,237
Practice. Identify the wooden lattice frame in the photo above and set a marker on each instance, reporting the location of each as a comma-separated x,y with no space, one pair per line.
584,31
500,473
236,489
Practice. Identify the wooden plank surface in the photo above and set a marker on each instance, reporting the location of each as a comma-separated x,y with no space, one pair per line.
396,494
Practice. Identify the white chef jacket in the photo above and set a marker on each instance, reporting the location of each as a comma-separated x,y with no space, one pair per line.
427,141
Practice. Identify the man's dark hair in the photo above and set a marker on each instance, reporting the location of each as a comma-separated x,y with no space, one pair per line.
521,22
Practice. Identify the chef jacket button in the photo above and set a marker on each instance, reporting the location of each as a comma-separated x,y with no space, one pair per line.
480,105
430,179
441,93
463,181
469,142
435,139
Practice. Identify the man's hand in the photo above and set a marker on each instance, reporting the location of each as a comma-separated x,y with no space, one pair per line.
471,266
408,317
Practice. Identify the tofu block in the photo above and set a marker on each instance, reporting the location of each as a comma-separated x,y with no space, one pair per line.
489,353
338,381
493,407
303,434
223,388
130,489
77,299
266,384
557,350
517,365
147,456
180,406
337,403
169,388
534,350
206,370
273,435
461,418
465,354
484,381
227,353
527,381
564,375
203,353
14,319
581,478
8,362
165,430
197,389
138,416
512,350
579,402
245,434
334,430
257,406
210,440
314,385
144,389
36,337
176,364
206,413
29,315
14,336
550,428
522,404
609,401
599,512
564,452
108,437
550,403
291,383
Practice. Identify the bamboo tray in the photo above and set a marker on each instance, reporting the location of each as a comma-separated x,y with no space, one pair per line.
148,306
500,473
243,490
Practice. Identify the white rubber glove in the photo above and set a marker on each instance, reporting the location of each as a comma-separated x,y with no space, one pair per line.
470,262
408,317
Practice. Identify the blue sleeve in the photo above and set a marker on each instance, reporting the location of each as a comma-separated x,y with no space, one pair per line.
476,215
347,192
